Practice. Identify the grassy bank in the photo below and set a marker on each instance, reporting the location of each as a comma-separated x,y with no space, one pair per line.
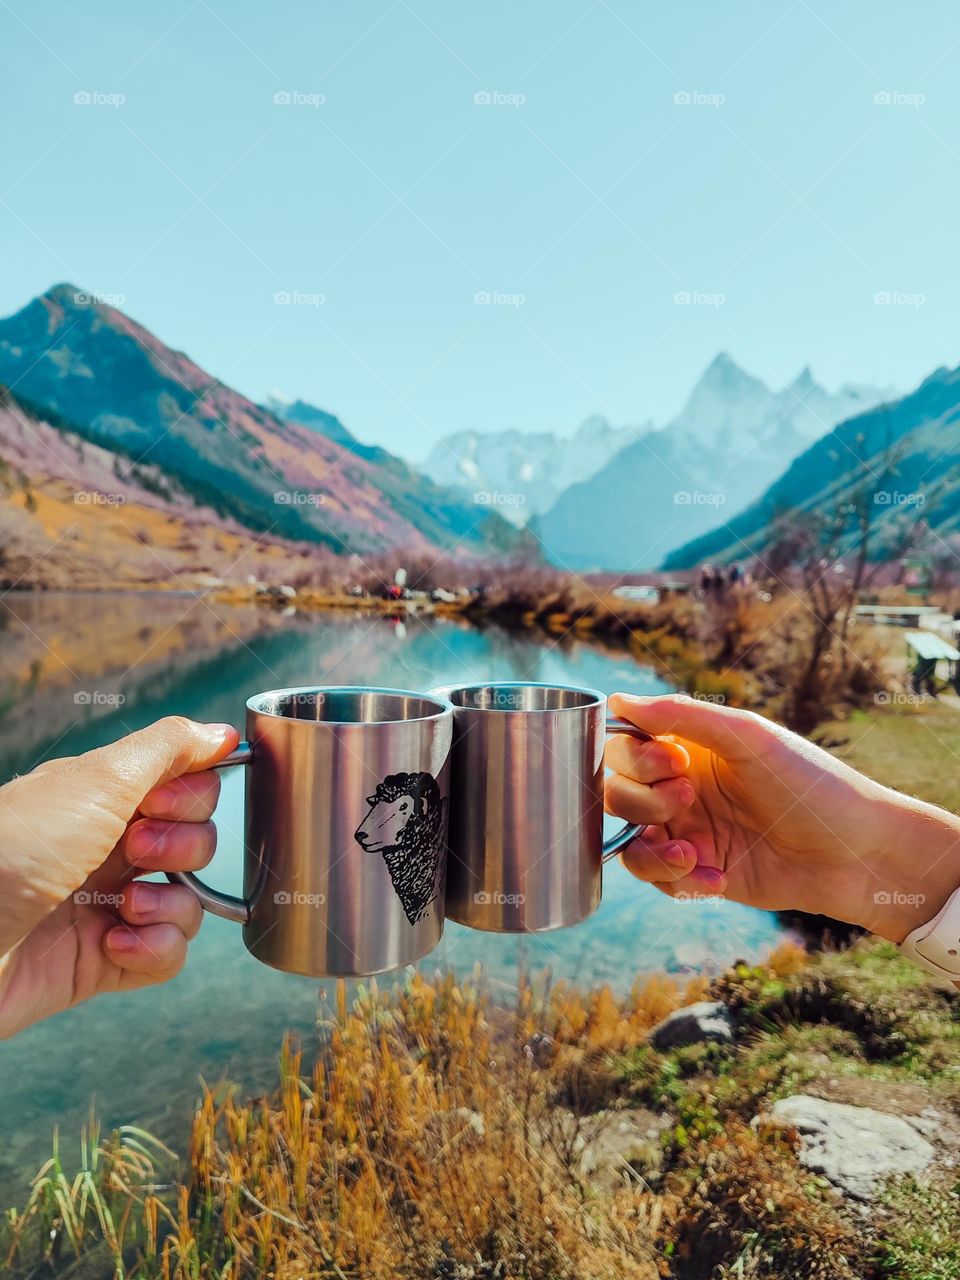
913,746
432,1135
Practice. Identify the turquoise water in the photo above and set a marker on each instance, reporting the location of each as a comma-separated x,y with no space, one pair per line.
134,658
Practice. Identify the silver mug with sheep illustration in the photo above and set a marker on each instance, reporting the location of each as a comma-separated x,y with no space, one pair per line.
345,829
526,820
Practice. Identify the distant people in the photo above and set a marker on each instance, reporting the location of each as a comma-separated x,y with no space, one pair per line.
715,581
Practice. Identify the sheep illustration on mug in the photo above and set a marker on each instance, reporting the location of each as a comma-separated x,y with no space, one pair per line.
405,824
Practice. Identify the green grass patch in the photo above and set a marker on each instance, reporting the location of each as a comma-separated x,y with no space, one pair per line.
921,1238
915,749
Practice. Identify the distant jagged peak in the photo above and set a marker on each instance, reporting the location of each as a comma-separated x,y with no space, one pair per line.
804,382
724,374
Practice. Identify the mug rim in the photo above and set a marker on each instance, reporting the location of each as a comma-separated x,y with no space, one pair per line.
597,696
443,705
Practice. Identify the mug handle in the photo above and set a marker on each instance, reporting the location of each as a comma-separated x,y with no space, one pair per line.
212,900
630,830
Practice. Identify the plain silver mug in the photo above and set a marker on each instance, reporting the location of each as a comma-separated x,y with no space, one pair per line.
526,811
345,829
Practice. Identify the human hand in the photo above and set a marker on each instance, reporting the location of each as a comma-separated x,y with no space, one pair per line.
744,808
74,835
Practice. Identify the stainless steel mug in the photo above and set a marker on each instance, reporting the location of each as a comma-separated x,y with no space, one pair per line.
526,810
345,829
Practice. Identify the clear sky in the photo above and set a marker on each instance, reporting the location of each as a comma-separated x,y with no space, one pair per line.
583,196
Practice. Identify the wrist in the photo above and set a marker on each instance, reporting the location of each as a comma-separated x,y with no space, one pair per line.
912,868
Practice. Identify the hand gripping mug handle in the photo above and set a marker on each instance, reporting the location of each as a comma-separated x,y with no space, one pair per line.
212,900
630,830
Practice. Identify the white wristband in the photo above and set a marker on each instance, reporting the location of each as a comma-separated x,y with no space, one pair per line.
936,946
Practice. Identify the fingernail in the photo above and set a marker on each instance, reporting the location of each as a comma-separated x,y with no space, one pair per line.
687,794
675,854
218,733
121,939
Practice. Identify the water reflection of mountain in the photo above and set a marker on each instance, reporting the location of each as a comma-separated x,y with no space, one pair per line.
80,670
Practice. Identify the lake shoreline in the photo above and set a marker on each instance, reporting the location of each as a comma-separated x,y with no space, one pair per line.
743,647
664,637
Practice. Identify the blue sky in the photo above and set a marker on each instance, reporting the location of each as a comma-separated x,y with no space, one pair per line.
583,197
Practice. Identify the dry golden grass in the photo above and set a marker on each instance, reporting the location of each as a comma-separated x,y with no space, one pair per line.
421,1143
52,541
434,1138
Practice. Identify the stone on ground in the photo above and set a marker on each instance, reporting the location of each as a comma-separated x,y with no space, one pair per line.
705,1020
855,1148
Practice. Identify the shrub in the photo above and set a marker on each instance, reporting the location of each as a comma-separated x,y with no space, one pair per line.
747,1198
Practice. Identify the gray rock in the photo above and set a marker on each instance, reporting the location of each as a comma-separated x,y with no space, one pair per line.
613,1142
276,594
602,1147
705,1020
855,1148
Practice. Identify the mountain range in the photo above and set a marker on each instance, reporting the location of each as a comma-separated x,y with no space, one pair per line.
89,370
122,460
523,473
909,451
732,438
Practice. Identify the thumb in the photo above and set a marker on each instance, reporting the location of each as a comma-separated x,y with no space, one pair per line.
730,733
61,821
124,771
